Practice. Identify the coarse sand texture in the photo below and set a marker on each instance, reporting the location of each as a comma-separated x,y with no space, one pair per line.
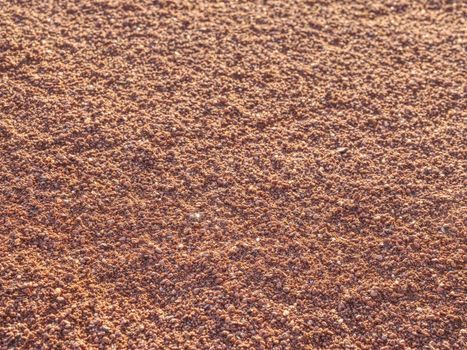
233,175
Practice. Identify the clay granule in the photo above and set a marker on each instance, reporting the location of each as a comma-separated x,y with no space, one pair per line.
214,175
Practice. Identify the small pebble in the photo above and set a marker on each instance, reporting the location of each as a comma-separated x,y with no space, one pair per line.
342,150
195,216
341,307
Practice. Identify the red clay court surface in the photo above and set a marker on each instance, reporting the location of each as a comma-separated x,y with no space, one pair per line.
232,175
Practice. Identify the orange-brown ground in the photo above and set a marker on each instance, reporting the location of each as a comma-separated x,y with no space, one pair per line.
232,175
